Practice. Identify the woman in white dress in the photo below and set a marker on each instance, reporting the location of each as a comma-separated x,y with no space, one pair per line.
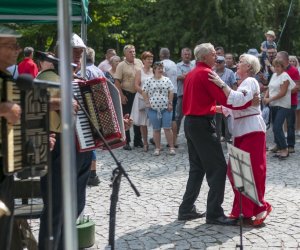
138,113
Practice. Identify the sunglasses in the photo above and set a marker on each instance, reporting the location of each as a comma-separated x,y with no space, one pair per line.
158,64
219,62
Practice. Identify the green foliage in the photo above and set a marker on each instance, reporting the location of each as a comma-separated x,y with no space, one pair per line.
237,25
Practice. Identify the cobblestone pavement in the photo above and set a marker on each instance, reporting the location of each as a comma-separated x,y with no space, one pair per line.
150,221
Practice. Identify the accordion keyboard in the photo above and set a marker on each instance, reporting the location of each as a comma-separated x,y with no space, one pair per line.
83,128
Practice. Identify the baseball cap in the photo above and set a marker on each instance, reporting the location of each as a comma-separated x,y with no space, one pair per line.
77,42
253,52
220,58
7,32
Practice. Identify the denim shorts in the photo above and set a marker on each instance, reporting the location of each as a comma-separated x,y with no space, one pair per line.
157,121
94,157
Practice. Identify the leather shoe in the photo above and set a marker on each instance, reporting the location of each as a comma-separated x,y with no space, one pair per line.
222,220
191,215
127,147
138,144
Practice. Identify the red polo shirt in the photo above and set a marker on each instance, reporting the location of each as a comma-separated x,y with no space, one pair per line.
294,74
201,95
28,66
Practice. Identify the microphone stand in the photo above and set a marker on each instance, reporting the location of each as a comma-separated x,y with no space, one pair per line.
241,217
116,181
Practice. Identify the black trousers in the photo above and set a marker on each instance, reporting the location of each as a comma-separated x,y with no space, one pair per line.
205,157
127,110
6,196
82,172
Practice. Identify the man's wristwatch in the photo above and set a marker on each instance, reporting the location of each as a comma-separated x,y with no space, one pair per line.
223,85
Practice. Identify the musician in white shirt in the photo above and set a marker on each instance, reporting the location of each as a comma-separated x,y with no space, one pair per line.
249,133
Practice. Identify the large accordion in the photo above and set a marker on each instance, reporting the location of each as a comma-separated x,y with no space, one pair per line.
102,101
25,145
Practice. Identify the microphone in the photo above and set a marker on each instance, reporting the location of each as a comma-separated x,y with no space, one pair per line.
26,82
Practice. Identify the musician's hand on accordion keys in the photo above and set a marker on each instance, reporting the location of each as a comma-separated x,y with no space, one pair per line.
10,111
75,106
52,141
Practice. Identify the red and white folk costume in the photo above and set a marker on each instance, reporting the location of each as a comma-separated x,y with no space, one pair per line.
249,132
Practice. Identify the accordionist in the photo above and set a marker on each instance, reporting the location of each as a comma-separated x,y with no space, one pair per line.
82,159
9,112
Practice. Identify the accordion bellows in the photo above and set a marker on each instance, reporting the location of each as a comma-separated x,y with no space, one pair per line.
103,104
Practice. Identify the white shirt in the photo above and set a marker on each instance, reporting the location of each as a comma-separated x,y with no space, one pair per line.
170,71
274,88
105,66
246,120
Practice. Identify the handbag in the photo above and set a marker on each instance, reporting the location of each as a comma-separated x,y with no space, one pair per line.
141,104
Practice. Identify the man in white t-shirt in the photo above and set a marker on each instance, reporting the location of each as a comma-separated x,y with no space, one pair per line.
105,65
170,71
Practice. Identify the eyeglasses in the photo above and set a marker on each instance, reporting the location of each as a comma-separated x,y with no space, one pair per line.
219,62
13,46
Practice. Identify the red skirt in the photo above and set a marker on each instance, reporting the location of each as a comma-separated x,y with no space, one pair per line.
255,144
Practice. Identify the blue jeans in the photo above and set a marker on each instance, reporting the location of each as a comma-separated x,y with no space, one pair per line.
279,114
82,168
290,121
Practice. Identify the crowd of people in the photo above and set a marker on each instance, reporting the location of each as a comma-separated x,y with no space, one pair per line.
221,101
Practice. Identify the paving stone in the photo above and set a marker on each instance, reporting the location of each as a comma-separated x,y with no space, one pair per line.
150,221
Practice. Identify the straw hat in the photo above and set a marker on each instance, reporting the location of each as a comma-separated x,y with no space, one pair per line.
271,33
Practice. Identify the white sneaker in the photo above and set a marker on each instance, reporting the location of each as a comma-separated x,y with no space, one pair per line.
172,151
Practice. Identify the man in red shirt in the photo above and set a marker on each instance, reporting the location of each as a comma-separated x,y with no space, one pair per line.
291,118
28,66
205,150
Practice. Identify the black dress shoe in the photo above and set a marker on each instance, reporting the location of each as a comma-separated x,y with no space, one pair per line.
138,144
127,147
191,215
222,220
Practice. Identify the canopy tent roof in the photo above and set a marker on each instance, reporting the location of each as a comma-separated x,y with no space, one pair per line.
40,11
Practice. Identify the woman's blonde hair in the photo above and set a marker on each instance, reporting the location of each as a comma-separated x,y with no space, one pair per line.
253,62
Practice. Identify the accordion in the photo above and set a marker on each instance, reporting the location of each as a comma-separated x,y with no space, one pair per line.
25,145
102,101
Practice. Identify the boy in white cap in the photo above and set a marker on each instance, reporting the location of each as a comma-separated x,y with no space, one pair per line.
9,52
268,43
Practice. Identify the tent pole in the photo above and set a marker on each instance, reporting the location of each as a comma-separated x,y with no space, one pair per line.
84,38
68,136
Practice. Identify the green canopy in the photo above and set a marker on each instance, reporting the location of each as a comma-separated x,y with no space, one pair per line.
40,11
